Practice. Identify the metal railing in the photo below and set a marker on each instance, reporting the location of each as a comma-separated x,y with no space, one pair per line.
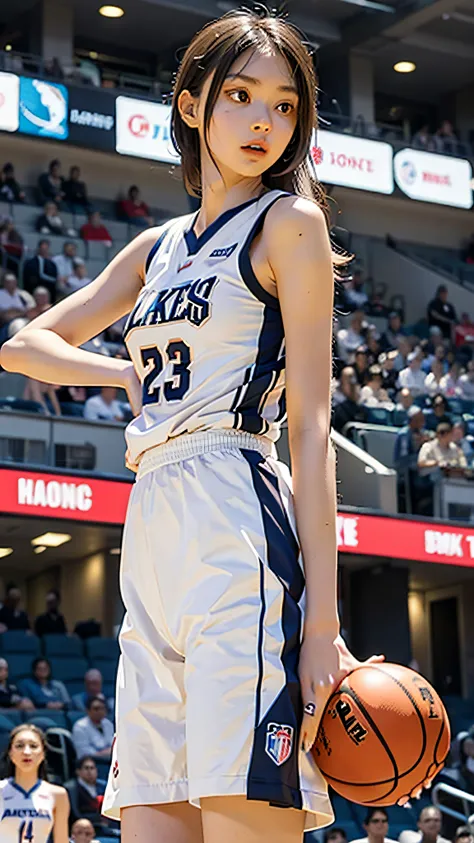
454,792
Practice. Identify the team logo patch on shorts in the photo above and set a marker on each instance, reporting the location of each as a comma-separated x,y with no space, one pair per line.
279,742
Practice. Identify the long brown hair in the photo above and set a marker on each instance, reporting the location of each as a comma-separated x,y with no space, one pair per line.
214,49
9,767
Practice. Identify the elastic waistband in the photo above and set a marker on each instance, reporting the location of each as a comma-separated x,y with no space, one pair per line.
193,444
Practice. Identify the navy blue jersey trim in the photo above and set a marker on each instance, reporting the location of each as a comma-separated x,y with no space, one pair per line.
266,781
245,264
194,243
26,793
154,249
258,691
266,370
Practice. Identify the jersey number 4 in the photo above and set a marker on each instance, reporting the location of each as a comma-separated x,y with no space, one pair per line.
26,832
178,354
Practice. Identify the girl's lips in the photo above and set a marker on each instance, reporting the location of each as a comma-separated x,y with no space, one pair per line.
260,153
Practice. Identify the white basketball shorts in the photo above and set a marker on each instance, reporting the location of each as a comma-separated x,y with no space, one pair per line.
208,698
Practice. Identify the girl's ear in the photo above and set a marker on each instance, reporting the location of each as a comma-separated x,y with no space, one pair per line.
188,107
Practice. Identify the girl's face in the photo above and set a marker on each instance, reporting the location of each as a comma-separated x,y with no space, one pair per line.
257,106
26,751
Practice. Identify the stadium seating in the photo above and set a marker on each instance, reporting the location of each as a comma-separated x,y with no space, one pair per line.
19,666
107,669
62,645
19,642
68,668
73,717
98,649
14,715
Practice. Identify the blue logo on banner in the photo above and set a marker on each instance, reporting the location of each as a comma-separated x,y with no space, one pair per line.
43,109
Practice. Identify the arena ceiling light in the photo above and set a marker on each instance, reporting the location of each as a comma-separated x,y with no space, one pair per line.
114,551
5,551
404,66
370,4
111,11
8,48
39,549
51,539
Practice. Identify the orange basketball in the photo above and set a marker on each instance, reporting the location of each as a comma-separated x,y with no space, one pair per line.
384,731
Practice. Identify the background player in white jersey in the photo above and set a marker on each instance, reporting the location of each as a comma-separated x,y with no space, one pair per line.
224,672
30,807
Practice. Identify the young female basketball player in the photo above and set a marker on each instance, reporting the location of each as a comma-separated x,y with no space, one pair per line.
30,807
229,650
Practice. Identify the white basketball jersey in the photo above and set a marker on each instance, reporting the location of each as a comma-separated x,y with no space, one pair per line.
25,816
206,339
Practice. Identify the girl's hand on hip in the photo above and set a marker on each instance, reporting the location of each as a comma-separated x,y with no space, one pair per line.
324,662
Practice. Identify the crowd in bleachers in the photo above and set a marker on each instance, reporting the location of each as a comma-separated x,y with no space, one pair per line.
73,245
418,378
61,682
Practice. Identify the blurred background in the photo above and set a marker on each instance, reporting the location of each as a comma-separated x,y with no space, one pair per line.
86,163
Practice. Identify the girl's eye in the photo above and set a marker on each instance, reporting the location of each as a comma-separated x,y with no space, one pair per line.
286,107
239,96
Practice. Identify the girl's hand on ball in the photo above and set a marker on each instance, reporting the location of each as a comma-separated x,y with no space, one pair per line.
323,665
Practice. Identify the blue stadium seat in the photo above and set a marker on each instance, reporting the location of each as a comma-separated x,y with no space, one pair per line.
102,648
13,714
42,721
67,669
103,768
468,407
422,400
73,717
6,724
108,689
399,418
17,641
456,406
4,740
21,405
58,718
62,645
74,686
470,427
378,415
107,669
19,666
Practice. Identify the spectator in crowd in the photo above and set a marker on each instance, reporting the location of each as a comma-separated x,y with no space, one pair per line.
11,617
394,332
349,339
75,192
348,409
405,400
464,332
373,345
445,138
373,393
412,376
441,313
53,69
429,828
466,382
42,303
389,373
44,691
463,834
422,139
82,831
10,697
134,210
13,302
356,297
459,439
436,351
104,407
334,835
376,826
44,394
376,307
361,364
79,277
51,184
51,622
95,230
403,350
86,791
49,222
10,190
64,262
346,377
450,383
41,270
442,452
94,734
73,395
433,379
114,338
441,412
12,245
92,688
407,446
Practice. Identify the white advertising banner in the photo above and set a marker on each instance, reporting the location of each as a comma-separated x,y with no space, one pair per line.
143,130
9,102
428,177
354,162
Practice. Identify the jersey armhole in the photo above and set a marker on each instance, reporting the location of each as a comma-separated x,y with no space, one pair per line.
154,249
245,265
